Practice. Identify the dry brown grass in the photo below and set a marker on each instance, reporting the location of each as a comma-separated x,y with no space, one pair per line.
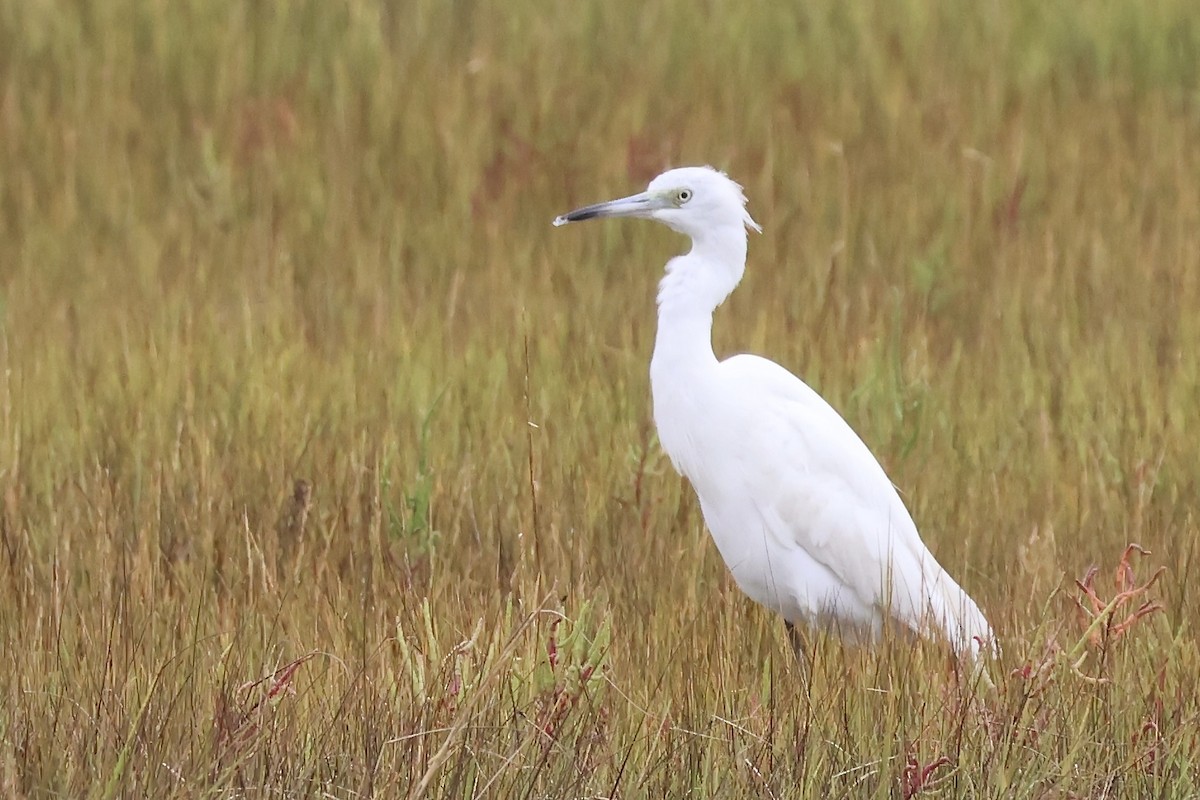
247,245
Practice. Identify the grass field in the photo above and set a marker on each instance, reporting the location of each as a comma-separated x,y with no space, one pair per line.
327,465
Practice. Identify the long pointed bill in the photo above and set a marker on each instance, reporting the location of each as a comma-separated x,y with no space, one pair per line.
638,205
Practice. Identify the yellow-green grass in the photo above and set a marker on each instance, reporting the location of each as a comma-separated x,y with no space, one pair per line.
245,244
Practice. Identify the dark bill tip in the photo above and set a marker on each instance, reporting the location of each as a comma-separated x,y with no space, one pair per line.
579,214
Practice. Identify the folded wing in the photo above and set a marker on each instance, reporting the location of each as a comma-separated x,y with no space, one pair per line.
823,491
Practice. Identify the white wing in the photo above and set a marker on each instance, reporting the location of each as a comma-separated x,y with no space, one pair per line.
817,487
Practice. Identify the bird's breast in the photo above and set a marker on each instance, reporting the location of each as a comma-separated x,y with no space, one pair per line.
679,418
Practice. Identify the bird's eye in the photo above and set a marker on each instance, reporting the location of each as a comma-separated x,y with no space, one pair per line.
684,195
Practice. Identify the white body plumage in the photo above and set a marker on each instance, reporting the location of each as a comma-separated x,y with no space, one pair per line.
802,513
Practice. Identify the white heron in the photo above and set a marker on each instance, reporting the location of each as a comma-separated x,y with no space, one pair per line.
805,518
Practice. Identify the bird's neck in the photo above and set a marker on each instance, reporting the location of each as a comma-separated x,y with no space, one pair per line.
694,285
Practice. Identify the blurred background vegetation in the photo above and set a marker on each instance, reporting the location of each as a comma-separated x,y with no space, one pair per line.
327,465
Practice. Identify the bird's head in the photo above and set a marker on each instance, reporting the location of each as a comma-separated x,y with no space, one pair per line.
691,200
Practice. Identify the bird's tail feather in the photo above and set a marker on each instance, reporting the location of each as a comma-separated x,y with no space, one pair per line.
959,618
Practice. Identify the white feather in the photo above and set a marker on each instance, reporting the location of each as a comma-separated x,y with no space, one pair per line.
801,511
